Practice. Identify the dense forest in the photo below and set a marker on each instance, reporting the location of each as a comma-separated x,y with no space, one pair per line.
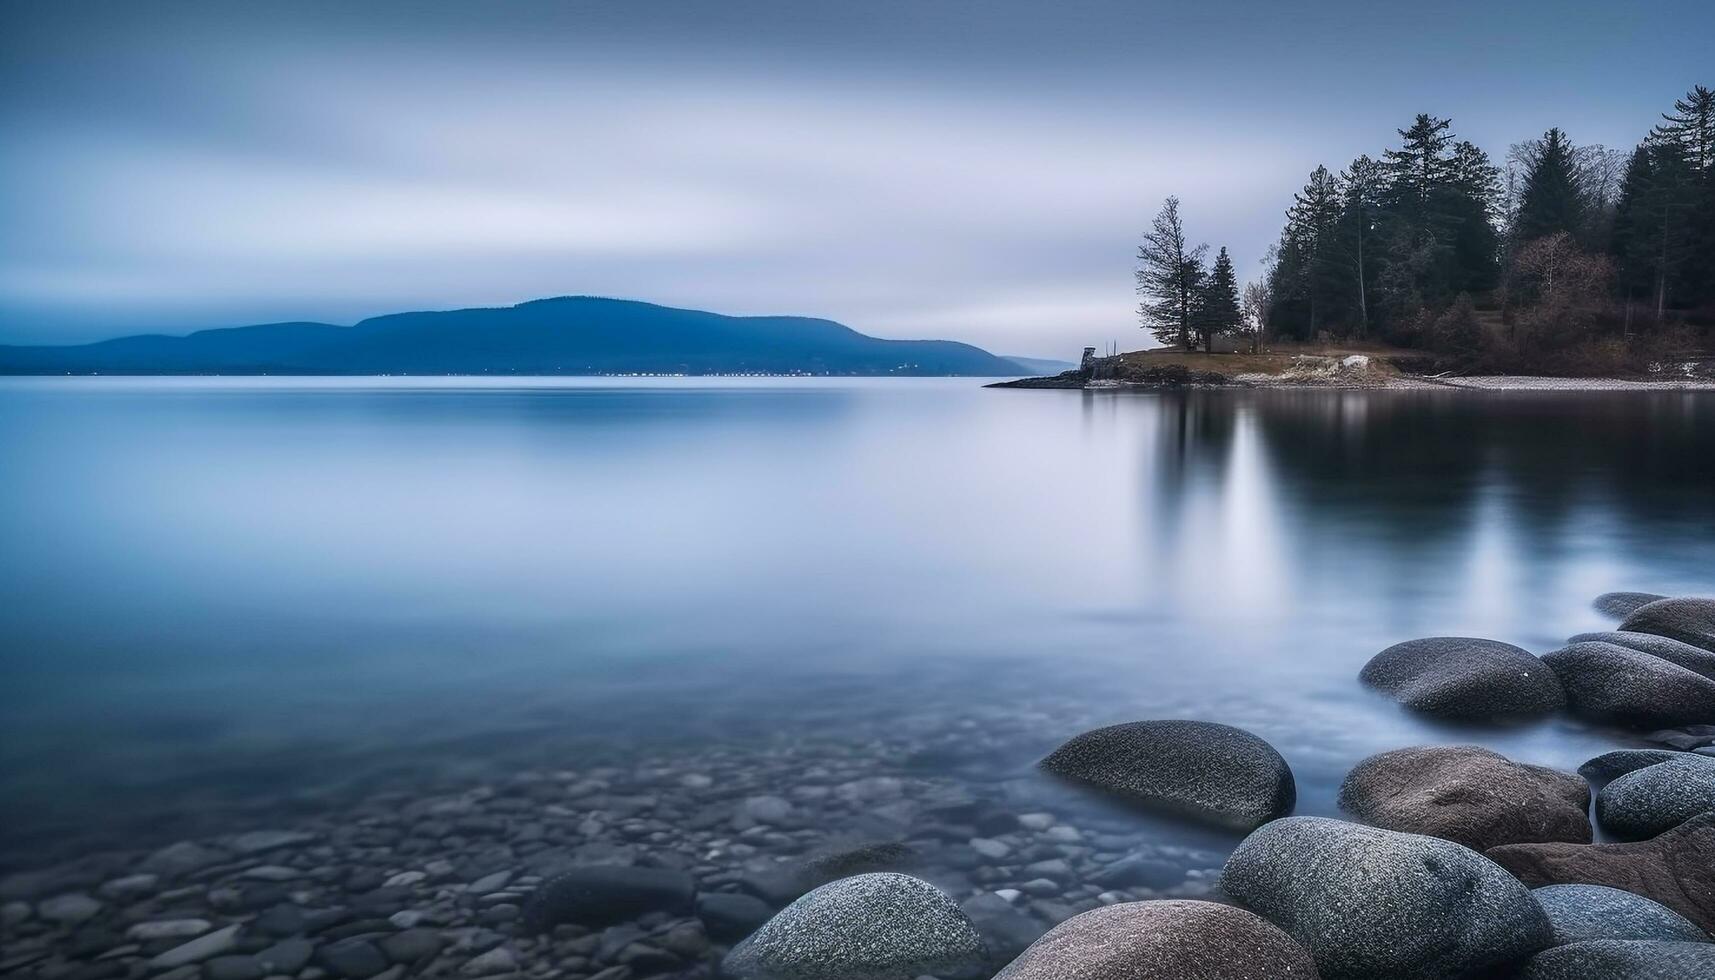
1562,258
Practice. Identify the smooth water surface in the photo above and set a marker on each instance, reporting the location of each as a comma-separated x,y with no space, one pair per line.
219,595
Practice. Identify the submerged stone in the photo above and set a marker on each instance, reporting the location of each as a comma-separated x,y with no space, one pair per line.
1212,772
1465,678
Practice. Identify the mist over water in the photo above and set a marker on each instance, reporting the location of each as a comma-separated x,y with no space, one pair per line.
224,598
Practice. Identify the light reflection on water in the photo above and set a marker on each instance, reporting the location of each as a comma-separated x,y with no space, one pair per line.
231,590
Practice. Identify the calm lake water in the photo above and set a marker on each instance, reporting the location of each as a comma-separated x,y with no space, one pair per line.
221,598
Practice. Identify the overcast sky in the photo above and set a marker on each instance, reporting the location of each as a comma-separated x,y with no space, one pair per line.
979,171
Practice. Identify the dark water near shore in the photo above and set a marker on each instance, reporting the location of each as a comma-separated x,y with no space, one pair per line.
221,599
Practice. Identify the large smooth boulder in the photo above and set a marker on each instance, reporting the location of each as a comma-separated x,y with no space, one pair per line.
1468,795
1676,869
1622,604
882,926
1584,912
1695,659
1167,940
1613,765
1647,801
1211,772
1464,677
1686,619
1605,682
1608,959
1369,902
602,895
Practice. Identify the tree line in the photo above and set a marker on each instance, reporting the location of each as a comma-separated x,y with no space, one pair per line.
1565,257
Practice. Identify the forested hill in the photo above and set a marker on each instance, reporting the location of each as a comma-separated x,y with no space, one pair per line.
576,335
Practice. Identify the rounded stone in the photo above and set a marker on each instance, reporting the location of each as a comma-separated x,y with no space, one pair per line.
1608,959
1605,682
1689,620
1622,604
1369,902
1676,869
1200,769
1467,795
1464,677
1167,940
1647,801
1613,765
1695,659
882,926
1584,912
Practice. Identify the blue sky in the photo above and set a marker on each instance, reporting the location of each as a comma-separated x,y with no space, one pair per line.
975,171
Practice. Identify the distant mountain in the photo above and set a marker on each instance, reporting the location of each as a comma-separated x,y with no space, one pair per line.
568,335
1040,365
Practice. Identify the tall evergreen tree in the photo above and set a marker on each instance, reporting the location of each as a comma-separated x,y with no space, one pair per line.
1691,124
1691,129
1315,215
1218,310
1633,235
1552,200
1169,274
1361,186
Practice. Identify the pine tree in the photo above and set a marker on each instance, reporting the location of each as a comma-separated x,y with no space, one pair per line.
1552,200
1218,309
1692,126
1634,230
1361,186
1420,166
1315,214
1168,276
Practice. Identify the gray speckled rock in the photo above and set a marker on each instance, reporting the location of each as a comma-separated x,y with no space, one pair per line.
882,926
1687,619
1584,912
1464,677
1647,801
1622,604
1608,959
1372,903
1170,940
1695,659
1605,682
1613,765
1467,795
1211,772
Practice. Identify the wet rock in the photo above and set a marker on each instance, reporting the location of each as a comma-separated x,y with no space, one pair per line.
1686,619
1676,869
258,841
601,895
287,956
1619,605
498,960
180,859
1211,772
1584,912
155,931
1468,795
882,926
282,920
201,948
1617,960
129,887
1464,678
354,959
68,910
731,916
411,945
1369,902
1695,659
1612,683
1689,738
1613,765
1655,798
1162,940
